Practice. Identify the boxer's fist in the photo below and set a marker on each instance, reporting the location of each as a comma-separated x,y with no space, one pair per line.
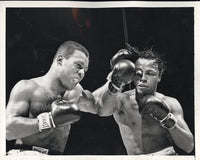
64,112
61,112
157,109
123,73
120,55
154,107
130,53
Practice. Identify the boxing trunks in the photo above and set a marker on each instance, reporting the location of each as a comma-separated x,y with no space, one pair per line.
164,152
32,150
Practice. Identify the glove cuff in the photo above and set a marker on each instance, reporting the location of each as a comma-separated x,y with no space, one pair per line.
169,121
45,121
113,89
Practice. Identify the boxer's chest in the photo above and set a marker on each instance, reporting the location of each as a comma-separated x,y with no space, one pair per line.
41,102
151,126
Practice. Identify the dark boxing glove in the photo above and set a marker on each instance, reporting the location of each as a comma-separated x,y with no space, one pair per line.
128,54
61,112
121,76
123,73
157,109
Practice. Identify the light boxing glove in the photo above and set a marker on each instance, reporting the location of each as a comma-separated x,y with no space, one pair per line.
157,109
62,112
123,73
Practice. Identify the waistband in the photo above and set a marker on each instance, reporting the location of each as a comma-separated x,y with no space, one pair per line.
166,151
39,149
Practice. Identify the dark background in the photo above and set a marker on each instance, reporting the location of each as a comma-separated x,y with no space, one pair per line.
34,34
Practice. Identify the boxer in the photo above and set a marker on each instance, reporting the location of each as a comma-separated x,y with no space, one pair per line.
40,110
149,122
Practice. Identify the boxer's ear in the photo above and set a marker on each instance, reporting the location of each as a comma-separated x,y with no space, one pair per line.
59,59
159,78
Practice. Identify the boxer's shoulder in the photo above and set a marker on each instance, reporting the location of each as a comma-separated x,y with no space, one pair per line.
24,88
164,97
160,95
26,84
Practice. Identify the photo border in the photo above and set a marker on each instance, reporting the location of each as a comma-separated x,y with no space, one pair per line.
81,4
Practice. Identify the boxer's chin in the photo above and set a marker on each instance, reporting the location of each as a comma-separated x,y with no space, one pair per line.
141,91
70,86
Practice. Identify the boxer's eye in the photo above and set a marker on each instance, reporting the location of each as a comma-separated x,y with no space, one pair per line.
151,73
79,66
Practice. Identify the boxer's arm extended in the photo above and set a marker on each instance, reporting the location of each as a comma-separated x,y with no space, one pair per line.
84,99
181,133
17,123
105,101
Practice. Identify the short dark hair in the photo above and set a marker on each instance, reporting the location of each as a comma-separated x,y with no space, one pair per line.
67,49
153,55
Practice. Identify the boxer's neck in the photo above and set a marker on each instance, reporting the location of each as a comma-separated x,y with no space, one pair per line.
52,85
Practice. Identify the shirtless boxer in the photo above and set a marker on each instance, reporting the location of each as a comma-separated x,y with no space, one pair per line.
40,110
152,123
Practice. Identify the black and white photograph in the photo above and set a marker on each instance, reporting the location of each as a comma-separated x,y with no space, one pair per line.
86,79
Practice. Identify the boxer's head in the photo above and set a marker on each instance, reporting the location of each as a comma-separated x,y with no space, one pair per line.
153,55
67,49
149,69
70,64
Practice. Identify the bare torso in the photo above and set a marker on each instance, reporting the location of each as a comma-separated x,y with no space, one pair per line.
40,102
140,134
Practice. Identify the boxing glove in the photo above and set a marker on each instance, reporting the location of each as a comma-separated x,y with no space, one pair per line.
123,73
62,112
130,53
157,109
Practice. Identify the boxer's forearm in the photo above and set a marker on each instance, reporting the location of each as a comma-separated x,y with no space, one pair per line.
105,101
20,127
90,108
182,138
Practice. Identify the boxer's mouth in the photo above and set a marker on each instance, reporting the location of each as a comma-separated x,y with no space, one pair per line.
142,86
76,80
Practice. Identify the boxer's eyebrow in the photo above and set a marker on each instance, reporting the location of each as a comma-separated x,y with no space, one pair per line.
151,69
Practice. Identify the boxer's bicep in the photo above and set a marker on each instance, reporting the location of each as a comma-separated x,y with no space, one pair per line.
177,111
18,125
181,134
18,104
